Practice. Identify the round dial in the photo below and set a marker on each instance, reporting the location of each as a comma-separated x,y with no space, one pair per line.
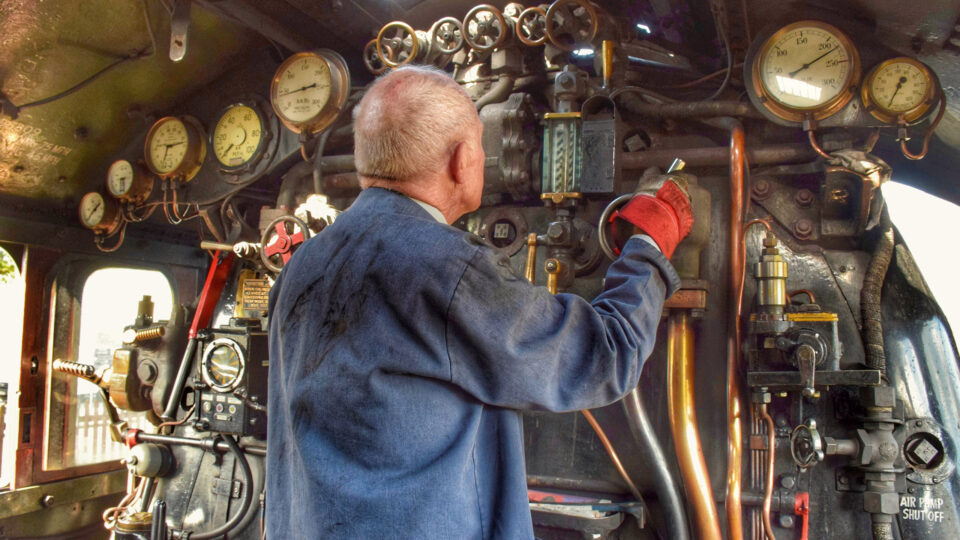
99,214
223,364
175,147
309,89
807,69
128,181
238,137
899,88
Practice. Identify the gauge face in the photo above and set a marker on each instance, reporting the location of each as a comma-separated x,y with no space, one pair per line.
302,89
806,69
92,209
223,364
167,145
237,136
899,88
120,178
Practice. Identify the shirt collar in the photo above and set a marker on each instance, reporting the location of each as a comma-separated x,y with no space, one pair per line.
434,213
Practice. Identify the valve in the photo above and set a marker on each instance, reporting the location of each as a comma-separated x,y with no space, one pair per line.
806,445
446,36
280,239
398,44
484,28
372,60
531,27
571,24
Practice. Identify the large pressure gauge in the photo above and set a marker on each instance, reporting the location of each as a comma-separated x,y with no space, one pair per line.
99,214
239,138
129,181
309,90
899,89
807,70
223,364
175,147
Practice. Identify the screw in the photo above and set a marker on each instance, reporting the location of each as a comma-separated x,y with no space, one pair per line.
47,501
804,197
803,228
911,490
761,189
918,423
842,269
787,481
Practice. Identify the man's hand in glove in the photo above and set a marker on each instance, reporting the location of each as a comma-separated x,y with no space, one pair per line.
661,209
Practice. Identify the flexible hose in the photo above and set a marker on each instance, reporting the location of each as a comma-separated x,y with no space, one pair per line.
666,486
870,297
244,504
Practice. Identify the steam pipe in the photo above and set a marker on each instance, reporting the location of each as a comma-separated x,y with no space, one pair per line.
668,491
497,93
683,424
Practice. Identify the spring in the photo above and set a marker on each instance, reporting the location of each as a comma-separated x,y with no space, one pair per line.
85,371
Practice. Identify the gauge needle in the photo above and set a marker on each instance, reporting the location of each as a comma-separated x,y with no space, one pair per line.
228,148
92,210
298,90
899,85
812,62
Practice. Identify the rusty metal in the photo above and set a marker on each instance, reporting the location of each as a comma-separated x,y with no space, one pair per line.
717,156
687,299
683,425
612,453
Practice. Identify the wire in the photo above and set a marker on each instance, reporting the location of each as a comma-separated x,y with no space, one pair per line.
98,240
725,41
178,422
701,80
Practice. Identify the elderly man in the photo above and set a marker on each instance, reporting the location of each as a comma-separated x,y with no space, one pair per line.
402,348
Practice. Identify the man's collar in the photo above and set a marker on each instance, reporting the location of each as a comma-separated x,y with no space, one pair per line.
434,213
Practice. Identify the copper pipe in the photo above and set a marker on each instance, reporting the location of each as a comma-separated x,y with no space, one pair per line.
683,424
606,52
737,256
612,453
816,146
771,455
926,138
808,292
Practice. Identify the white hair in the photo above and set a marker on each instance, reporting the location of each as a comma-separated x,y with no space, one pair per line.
408,123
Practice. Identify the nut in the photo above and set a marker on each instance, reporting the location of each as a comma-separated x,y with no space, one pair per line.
761,189
803,228
881,503
804,198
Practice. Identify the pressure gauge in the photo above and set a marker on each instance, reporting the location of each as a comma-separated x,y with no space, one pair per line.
309,90
129,182
899,89
223,364
805,70
98,214
239,137
175,147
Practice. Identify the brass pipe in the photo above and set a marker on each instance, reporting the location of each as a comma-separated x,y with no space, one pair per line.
612,453
683,424
734,409
606,51
531,257
771,459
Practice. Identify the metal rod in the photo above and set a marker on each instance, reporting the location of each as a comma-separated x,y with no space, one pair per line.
683,424
771,460
213,444
183,372
718,156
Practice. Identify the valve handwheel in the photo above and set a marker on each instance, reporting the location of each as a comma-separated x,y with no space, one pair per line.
484,28
532,26
603,227
447,35
571,23
397,44
280,239
371,58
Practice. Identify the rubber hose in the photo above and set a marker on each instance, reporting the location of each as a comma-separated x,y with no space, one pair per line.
870,297
244,504
664,483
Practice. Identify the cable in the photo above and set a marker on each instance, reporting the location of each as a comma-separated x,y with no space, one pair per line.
228,527
725,42
98,240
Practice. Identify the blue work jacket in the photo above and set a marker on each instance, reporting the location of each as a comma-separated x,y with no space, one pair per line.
401,351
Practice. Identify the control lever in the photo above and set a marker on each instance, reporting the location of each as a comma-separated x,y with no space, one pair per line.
801,507
101,378
179,29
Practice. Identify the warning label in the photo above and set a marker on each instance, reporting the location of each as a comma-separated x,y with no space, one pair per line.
256,294
921,508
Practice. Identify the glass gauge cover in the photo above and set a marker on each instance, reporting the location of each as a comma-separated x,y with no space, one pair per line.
309,89
899,89
128,181
223,364
807,69
99,214
175,147
238,137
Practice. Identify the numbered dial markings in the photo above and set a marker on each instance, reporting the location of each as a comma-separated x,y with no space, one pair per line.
303,89
120,178
900,89
168,146
807,67
237,136
99,214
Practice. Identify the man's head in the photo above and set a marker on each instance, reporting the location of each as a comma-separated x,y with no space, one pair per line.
416,131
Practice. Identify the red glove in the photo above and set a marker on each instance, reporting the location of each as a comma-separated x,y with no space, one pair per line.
661,209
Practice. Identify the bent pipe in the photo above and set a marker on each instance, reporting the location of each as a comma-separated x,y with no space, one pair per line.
497,93
683,424
664,483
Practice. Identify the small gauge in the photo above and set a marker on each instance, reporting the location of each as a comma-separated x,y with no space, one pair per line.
223,364
175,147
805,70
309,90
899,88
100,215
239,138
129,182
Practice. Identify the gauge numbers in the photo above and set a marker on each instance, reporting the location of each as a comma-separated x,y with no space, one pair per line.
899,88
223,364
99,214
309,89
238,136
128,181
175,147
806,69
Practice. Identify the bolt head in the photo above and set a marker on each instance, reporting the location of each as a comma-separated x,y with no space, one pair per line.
786,521
47,501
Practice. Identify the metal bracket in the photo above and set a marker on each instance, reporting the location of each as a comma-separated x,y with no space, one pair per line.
179,29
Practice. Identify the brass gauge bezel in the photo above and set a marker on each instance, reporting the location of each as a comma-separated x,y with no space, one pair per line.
109,221
265,137
339,91
818,112
911,115
196,152
141,187
205,364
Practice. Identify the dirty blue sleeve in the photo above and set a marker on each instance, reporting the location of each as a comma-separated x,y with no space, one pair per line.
512,344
